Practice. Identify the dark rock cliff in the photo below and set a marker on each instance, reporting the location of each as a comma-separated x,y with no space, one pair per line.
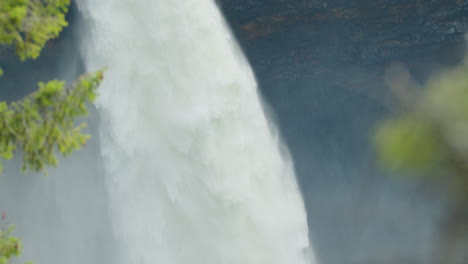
316,36
320,66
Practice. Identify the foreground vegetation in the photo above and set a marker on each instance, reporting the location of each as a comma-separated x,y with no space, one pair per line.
429,137
43,123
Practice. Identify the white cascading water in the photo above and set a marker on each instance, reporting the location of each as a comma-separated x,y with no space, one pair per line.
194,172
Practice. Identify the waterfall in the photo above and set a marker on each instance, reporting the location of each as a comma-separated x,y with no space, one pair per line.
194,170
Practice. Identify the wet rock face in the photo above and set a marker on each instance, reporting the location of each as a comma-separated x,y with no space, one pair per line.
320,65
344,31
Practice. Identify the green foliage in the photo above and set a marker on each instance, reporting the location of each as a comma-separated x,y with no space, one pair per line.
448,97
43,122
432,135
408,142
9,246
29,24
